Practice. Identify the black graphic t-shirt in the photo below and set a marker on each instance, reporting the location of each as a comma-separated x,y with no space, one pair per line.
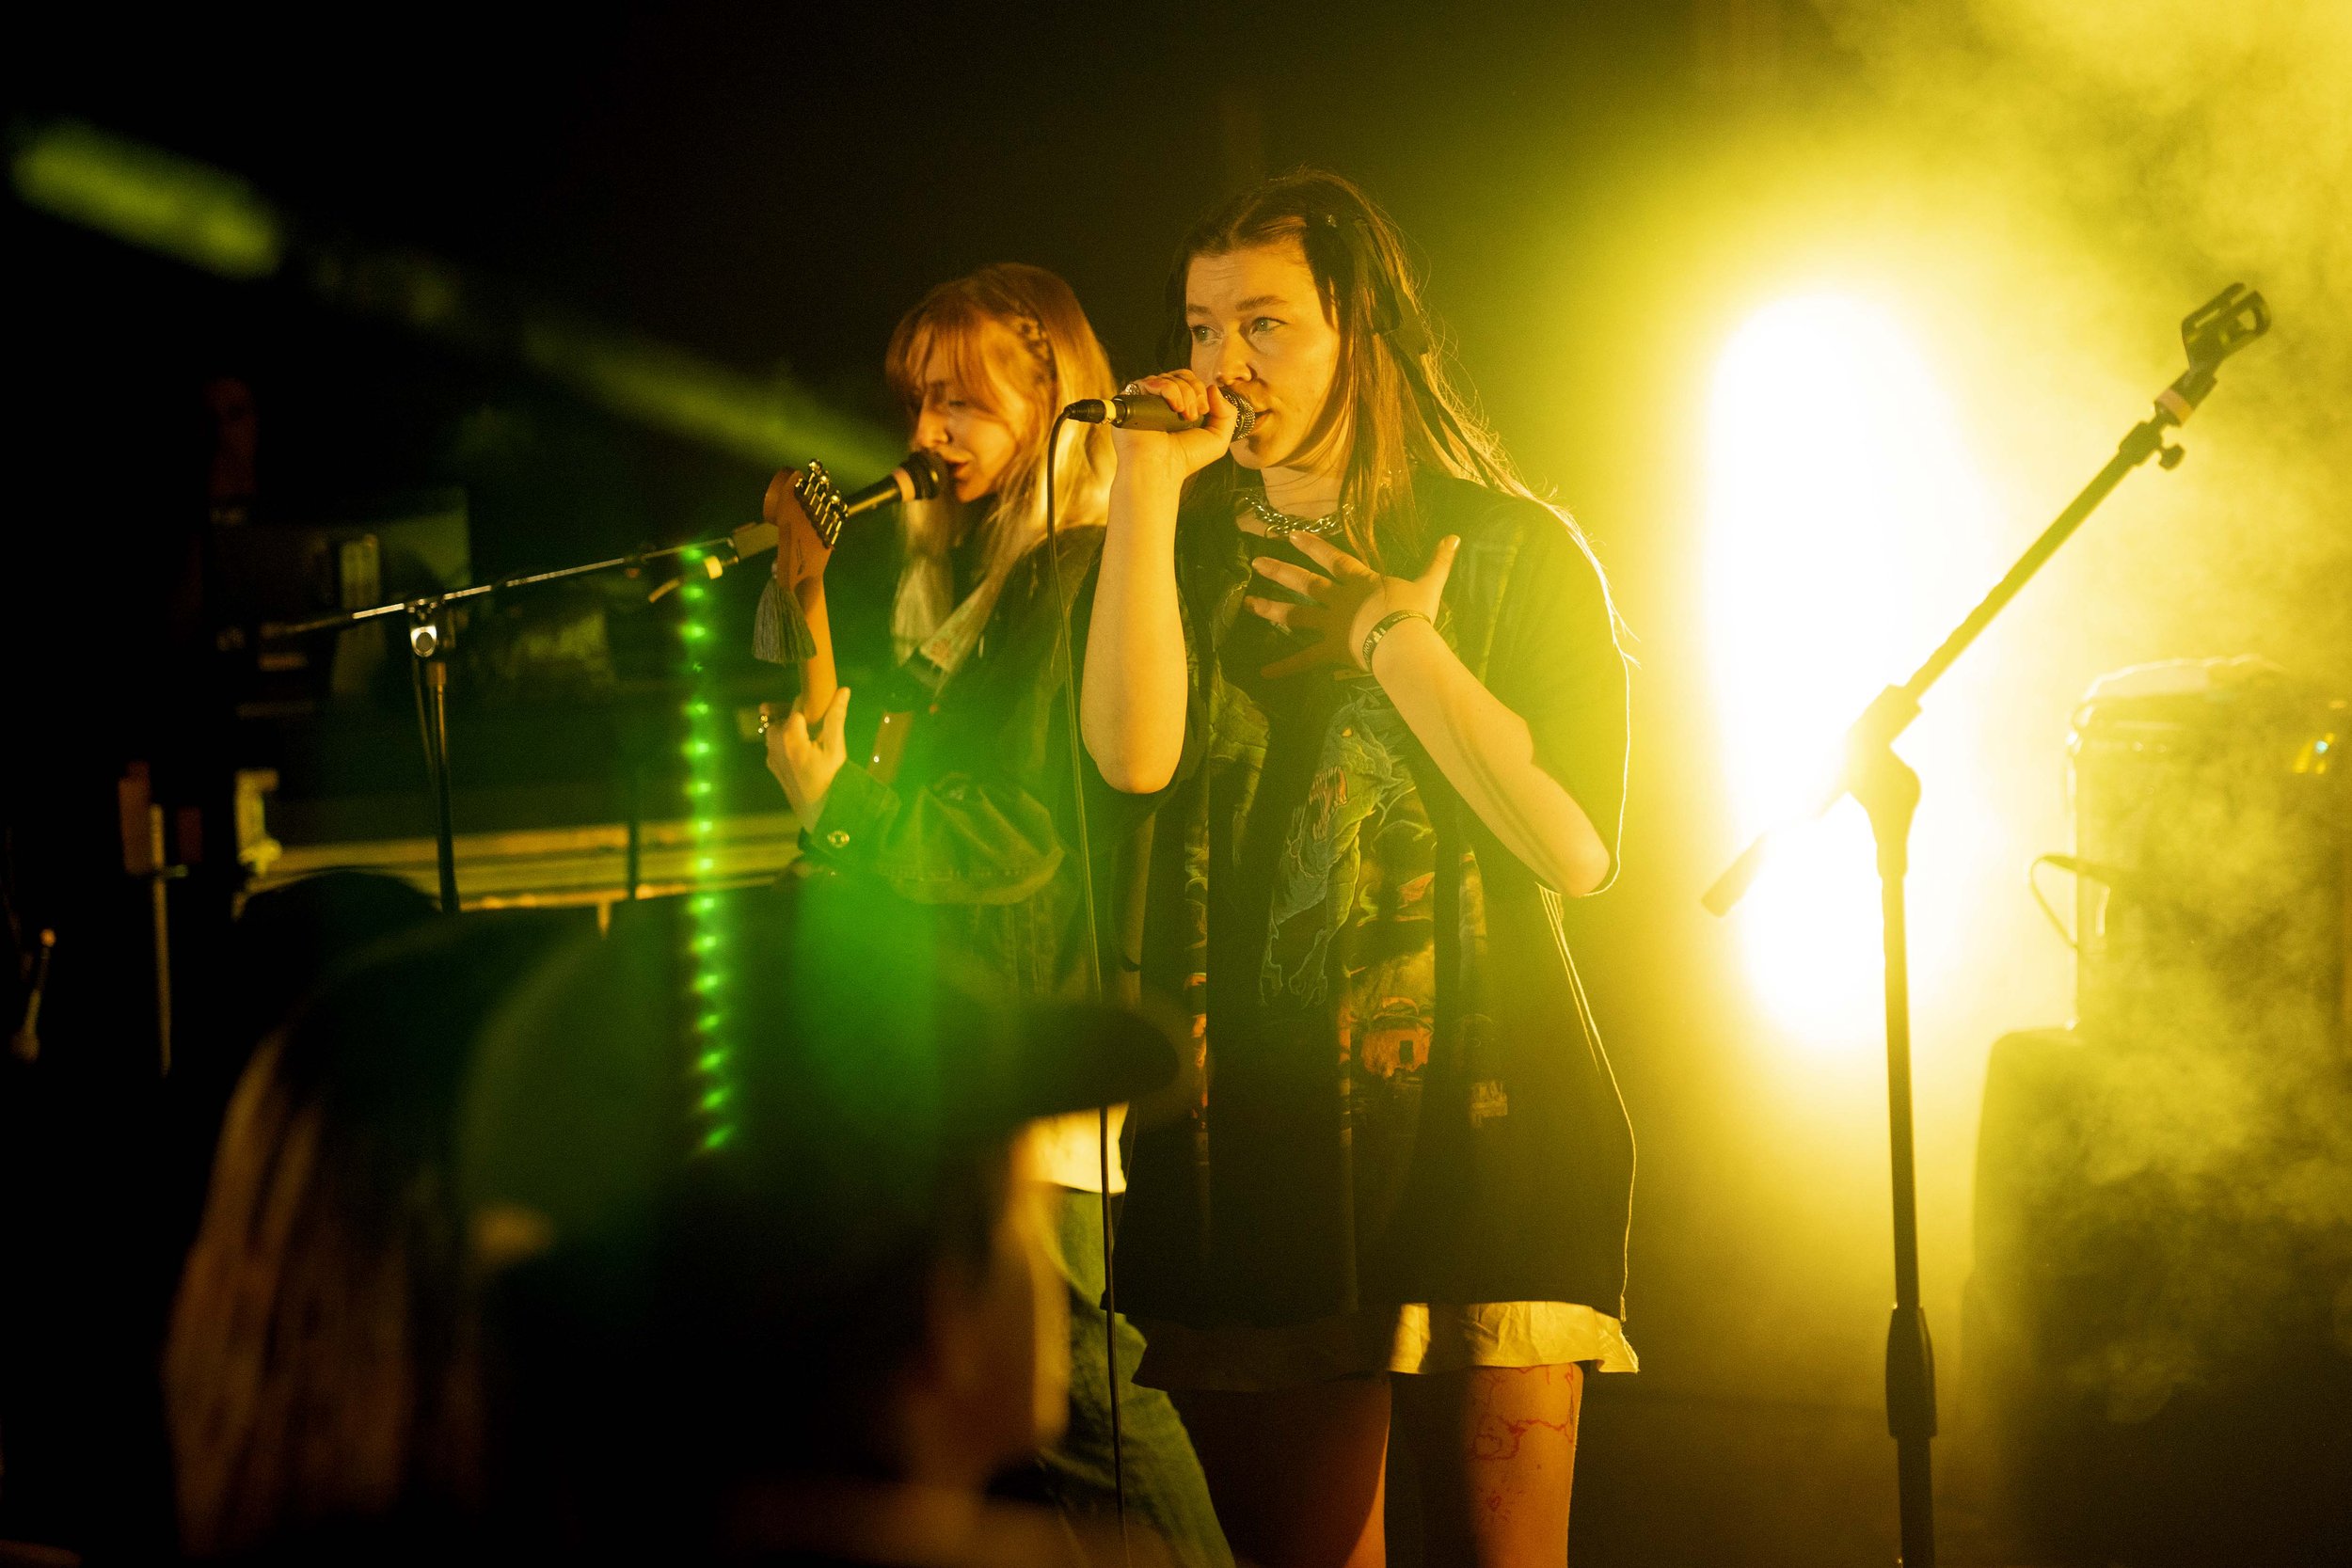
1397,1096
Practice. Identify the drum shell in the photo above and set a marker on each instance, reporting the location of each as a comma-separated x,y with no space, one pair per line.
2216,894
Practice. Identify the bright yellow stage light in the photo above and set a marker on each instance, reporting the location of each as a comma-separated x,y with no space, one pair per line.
1840,501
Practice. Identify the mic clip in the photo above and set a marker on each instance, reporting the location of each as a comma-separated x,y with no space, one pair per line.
2211,333
715,566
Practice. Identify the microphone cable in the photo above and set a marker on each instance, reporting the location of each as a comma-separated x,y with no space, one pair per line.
1093,950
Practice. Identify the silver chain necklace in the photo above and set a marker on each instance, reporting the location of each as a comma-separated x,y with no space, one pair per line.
1282,524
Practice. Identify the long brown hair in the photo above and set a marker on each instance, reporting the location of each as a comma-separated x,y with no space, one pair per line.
1394,396
320,1375
1048,354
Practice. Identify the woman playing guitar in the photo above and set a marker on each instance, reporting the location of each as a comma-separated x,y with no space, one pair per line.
975,823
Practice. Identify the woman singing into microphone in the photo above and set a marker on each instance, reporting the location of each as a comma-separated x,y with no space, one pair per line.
977,824
1380,686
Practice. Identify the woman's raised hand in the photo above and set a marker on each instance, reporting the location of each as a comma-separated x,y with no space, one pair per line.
1173,456
1339,606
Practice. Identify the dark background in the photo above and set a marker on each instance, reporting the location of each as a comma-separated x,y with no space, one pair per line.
1599,190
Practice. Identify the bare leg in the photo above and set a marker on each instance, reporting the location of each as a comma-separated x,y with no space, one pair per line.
1495,1449
1297,1476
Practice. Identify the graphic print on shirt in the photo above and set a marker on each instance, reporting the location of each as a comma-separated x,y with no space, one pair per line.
1350,900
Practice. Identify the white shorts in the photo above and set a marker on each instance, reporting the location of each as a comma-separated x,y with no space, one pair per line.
1415,1339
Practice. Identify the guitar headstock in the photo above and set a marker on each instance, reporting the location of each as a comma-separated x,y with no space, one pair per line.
822,500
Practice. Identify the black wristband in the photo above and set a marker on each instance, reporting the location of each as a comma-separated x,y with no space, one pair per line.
1386,624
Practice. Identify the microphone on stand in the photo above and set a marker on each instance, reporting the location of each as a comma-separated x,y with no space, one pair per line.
1146,411
917,479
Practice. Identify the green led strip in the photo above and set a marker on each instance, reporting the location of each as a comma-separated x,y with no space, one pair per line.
708,947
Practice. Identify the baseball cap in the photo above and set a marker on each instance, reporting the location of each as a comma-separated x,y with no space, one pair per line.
825,1061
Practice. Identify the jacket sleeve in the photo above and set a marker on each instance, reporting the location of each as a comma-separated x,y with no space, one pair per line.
978,813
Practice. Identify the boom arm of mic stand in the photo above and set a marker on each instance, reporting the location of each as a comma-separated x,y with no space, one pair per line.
712,548
429,672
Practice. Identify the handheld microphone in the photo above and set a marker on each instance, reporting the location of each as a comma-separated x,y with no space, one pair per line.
1144,411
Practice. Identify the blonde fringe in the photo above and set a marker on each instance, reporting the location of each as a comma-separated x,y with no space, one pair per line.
1010,529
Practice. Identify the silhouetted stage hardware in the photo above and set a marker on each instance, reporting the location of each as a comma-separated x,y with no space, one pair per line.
599,864
2209,804
2158,1331
410,544
437,612
581,801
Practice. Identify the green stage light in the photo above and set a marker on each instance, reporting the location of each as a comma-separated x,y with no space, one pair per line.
212,219
663,387
181,208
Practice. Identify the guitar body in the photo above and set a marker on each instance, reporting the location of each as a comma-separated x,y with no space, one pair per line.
800,520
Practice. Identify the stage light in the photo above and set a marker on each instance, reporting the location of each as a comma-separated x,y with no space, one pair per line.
210,218
181,208
1840,505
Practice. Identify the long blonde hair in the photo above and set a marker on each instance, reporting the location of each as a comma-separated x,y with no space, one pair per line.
1049,355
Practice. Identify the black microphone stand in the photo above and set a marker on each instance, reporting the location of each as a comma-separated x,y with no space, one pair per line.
429,643
1889,791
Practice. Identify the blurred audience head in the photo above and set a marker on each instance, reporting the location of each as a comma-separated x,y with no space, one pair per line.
319,1374
755,1173
289,939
